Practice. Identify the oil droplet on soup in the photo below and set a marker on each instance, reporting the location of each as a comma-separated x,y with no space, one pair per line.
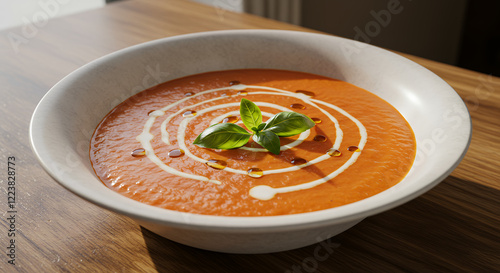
190,113
138,152
320,138
353,149
298,161
333,152
305,92
230,119
234,82
176,153
188,94
243,93
216,164
255,172
297,106
317,120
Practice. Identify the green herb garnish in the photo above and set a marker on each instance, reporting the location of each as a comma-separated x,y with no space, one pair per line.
229,136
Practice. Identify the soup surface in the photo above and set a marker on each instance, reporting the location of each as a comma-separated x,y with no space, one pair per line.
359,146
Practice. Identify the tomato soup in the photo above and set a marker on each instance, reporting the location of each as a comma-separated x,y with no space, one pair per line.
360,145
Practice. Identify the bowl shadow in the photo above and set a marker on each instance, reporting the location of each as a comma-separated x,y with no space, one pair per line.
452,228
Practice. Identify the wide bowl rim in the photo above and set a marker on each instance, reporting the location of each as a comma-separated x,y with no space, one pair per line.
342,214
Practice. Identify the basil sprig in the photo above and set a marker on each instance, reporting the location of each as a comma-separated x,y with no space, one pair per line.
230,136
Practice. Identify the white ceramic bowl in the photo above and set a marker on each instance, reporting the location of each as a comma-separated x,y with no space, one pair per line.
65,119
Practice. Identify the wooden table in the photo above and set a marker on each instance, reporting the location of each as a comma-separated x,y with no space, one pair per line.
455,227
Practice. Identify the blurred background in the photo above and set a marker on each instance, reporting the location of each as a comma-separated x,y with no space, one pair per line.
463,33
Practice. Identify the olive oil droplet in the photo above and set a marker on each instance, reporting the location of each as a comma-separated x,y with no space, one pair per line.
216,164
297,106
243,93
298,161
353,149
188,94
138,152
234,82
317,120
308,93
189,113
230,119
334,152
320,138
255,172
176,153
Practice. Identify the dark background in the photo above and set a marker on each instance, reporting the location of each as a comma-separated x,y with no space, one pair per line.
464,33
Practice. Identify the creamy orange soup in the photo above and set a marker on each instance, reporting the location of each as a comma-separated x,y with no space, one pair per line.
360,145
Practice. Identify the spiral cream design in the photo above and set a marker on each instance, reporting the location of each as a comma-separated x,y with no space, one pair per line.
261,192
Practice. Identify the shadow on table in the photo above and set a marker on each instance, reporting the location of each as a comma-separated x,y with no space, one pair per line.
453,228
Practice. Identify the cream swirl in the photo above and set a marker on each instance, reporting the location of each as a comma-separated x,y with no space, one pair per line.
262,192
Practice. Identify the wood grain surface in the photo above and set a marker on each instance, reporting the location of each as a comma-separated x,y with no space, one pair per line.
454,227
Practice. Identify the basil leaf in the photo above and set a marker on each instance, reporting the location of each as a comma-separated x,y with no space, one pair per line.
268,140
250,114
223,136
287,124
